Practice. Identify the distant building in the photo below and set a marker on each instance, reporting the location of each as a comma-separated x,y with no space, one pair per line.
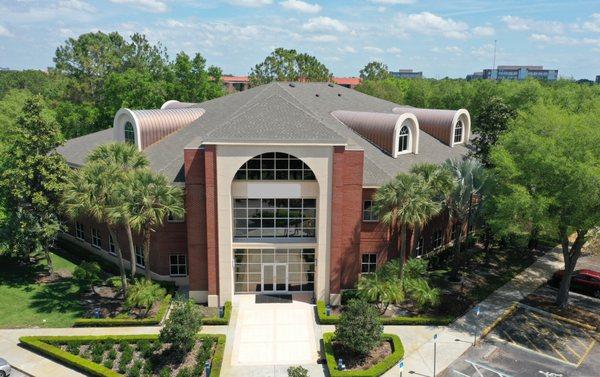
597,79
475,76
407,74
4,69
519,72
236,83
348,82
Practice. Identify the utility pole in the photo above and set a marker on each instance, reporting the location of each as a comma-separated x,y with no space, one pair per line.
494,60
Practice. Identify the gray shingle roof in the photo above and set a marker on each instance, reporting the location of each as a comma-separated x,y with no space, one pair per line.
279,112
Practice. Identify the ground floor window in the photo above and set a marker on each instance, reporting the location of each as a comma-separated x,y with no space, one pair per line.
139,256
368,263
96,239
79,231
112,246
271,270
419,247
437,239
178,265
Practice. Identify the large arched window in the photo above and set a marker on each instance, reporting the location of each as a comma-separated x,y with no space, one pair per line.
458,132
129,133
275,166
403,139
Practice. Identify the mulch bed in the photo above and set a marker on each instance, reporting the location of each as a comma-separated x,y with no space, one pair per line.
110,301
572,312
357,363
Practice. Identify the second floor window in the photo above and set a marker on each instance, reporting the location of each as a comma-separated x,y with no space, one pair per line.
368,213
275,166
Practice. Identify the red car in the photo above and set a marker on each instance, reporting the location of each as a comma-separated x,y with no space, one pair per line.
584,281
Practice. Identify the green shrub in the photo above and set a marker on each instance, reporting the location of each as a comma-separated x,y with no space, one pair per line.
420,291
112,354
73,347
136,369
348,295
380,289
359,329
181,327
165,372
415,268
115,282
376,370
109,363
184,372
297,371
87,274
143,294
219,321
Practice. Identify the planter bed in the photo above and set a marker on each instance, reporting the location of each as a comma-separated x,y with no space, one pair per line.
380,361
334,319
128,355
107,322
217,321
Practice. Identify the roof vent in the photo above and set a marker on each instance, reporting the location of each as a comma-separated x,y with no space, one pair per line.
339,94
316,95
292,85
330,85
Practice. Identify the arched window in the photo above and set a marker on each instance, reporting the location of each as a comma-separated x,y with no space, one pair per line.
458,132
129,134
403,139
275,166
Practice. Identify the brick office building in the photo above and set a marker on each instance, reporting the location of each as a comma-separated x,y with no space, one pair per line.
278,184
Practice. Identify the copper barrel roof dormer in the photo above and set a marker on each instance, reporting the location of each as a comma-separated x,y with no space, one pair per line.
451,127
146,127
395,134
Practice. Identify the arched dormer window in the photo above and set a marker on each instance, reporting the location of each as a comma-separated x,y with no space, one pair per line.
129,133
275,166
458,132
403,140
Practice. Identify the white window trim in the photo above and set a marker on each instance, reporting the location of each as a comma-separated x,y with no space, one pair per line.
178,264
418,254
408,144
136,255
367,263
110,244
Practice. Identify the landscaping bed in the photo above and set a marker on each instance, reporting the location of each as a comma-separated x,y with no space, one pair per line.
130,355
129,318
379,360
571,312
211,315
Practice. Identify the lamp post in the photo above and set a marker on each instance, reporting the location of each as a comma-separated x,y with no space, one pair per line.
207,368
434,352
477,311
401,366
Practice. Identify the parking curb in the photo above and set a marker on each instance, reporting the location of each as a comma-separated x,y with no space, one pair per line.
502,317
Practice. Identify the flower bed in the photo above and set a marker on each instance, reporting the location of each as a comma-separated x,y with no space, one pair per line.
107,322
334,319
130,355
375,370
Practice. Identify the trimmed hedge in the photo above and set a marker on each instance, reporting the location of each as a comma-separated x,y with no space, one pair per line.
376,370
334,319
216,321
108,322
44,345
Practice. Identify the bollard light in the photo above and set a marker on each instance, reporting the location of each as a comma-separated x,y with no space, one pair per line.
328,310
221,311
207,368
340,364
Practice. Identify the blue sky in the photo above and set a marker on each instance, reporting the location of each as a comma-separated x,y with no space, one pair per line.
440,38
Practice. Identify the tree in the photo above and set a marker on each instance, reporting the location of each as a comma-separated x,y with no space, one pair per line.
31,181
551,155
87,274
152,198
407,201
182,326
288,65
380,289
121,159
359,329
374,71
469,177
193,82
492,122
143,294
90,192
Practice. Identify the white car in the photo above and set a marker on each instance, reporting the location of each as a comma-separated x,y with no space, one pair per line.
5,369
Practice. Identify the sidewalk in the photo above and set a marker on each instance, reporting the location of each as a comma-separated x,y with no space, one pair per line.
455,339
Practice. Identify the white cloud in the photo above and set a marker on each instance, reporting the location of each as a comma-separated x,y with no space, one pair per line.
324,23
593,24
484,31
432,24
483,52
393,50
4,32
154,6
76,5
373,49
454,49
393,2
524,24
250,3
347,49
563,40
301,6
323,38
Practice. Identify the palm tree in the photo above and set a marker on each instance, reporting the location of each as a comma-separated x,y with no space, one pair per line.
406,202
381,289
127,158
152,198
89,192
470,178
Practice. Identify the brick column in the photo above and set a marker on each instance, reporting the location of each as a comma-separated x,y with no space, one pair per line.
212,237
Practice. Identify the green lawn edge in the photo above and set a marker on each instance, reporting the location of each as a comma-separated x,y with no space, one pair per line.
376,370
334,319
107,322
216,321
41,345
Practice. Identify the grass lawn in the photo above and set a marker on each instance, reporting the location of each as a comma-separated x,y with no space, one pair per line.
29,303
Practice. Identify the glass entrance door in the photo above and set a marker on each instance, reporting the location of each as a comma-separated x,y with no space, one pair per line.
274,277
